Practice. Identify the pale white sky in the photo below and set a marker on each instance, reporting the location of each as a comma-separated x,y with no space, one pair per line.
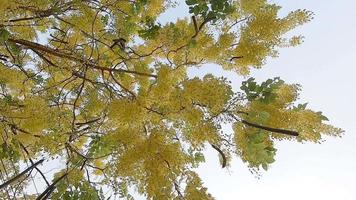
325,66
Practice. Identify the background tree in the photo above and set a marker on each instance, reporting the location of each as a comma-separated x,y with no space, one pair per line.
103,88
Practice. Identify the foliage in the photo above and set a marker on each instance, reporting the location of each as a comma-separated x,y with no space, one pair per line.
102,87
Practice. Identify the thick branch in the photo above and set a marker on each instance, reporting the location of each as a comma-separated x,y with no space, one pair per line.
41,16
275,130
36,46
21,174
45,194
195,24
223,164
198,29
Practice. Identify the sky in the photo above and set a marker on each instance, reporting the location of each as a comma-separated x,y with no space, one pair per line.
325,67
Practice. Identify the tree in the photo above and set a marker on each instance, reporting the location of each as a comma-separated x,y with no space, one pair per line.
104,87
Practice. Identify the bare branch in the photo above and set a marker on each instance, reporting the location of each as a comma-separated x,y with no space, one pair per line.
45,194
20,174
223,164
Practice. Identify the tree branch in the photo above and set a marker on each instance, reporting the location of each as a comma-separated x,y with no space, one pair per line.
36,46
275,130
45,194
236,57
195,24
198,29
21,174
223,164
38,170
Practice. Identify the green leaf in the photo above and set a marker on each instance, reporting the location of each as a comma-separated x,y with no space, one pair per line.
15,49
4,35
151,29
322,117
192,43
265,166
302,106
190,2
105,19
199,157
263,116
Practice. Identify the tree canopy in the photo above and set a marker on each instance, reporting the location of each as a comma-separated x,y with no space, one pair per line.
101,87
